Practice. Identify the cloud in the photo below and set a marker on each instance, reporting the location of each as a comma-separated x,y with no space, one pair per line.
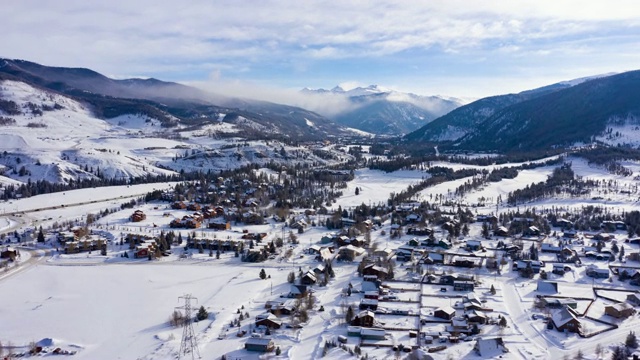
326,104
280,40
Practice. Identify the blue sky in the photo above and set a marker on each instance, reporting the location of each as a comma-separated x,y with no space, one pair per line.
267,49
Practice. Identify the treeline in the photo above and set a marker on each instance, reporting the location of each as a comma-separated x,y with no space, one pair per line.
561,180
403,162
439,175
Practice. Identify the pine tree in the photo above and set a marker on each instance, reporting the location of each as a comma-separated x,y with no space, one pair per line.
202,314
493,290
263,274
632,340
292,277
503,322
40,235
348,316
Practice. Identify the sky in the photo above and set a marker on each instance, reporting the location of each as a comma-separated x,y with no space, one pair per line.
267,48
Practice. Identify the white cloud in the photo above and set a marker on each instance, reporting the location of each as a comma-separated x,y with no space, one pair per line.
281,38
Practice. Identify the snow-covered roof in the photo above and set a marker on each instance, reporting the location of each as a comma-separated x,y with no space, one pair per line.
563,316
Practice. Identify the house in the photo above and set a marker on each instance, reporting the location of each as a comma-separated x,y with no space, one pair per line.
178,205
368,304
308,278
371,295
385,253
501,231
419,231
137,216
372,334
434,258
523,264
471,301
619,311
268,320
546,247
284,308
474,245
219,223
532,231
566,320
446,312
634,299
559,303
364,318
9,253
467,262
297,291
549,287
597,273
564,223
377,271
259,344
350,251
490,347
476,317
463,285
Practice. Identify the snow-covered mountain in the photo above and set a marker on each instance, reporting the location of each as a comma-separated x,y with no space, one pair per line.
47,135
170,102
380,110
603,107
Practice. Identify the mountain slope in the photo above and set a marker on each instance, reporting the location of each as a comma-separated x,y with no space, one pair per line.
382,111
466,119
171,103
561,118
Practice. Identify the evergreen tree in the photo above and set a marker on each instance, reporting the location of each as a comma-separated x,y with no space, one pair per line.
493,290
632,340
503,322
202,314
348,316
40,235
263,274
292,277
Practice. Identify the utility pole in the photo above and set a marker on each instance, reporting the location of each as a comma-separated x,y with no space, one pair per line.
189,342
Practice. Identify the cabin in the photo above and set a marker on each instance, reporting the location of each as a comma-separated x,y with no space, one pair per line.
634,299
350,251
298,291
368,304
309,278
385,253
178,205
463,285
489,347
9,253
364,318
476,317
259,344
446,312
598,273
379,272
566,320
546,247
373,334
269,321
137,216
474,245
501,231
619,311
549,287
219,223
532,231
559,303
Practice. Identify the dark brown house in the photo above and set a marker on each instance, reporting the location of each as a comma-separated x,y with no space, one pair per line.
364,319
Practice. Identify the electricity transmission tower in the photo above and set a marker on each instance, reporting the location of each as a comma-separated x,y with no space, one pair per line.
189,344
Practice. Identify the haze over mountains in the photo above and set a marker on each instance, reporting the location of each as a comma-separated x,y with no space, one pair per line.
383,111
562,114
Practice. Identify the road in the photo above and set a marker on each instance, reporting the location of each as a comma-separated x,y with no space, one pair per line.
36,257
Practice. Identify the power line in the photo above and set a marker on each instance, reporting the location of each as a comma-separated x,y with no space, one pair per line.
189,344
